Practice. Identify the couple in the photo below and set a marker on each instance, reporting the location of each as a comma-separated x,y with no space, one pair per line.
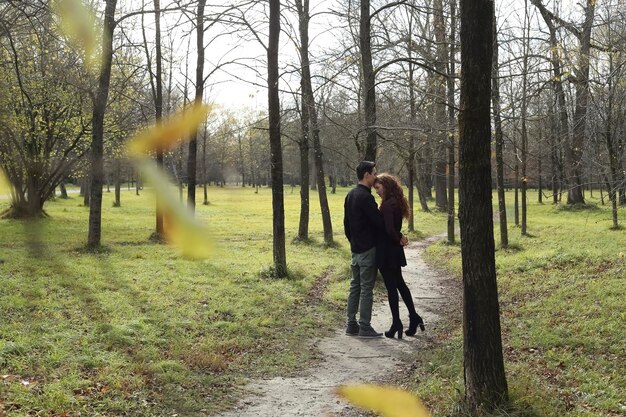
376,243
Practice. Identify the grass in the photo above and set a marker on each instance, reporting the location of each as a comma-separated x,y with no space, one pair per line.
133,329
562,313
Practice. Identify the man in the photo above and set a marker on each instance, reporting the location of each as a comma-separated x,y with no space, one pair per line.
362,223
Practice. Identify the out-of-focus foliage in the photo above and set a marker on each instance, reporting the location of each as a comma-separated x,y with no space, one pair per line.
4,183
181,228
166,135
389,402
79,23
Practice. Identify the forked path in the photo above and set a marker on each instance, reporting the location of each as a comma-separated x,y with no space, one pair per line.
350,360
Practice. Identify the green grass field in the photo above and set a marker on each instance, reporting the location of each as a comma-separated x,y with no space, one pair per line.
135,330
563,313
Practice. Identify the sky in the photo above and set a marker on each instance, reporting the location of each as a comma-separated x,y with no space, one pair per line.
234,86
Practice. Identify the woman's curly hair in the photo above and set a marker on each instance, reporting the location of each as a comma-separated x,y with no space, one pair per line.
392,187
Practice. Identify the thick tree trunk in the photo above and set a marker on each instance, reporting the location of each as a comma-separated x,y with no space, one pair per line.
497,121
97,141
575,192
276,158
369,81
485,381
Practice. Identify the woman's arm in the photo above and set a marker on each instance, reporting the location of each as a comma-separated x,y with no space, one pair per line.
387,209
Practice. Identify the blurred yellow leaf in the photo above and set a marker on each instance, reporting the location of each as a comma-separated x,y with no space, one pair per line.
79,23
387,401
5,187
181,228
166,134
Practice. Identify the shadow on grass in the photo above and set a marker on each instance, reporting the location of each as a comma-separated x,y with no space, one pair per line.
511,248
513,409
576,207
316,243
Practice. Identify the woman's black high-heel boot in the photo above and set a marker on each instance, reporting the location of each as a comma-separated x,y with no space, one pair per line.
415,321
395,327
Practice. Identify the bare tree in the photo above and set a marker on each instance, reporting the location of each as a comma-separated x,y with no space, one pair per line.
485,381
193,146
276,151
309,113
97,138
497,121
369,81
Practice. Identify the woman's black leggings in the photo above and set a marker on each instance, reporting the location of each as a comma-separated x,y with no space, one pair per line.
394,284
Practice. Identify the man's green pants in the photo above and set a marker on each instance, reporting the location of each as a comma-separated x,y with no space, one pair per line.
361,295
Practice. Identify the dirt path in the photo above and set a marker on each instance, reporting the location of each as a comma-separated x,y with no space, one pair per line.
349,360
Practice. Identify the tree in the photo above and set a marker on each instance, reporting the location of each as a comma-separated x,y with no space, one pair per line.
485,381
97,134
193,147
276,152
497,121
369,81
451,124
309,113
44,112
439,79
574,150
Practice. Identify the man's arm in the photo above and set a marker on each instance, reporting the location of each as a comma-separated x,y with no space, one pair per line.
372,213
346,220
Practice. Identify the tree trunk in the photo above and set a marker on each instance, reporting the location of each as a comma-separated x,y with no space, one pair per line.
303,228
242,162
158,105
497,121
369,81
310,109
63,190
411,174
276,159
97,140
193,145
118,183
441,135
575,192
485,381
524,111
451,124
205,201
613,157
516,188
413,136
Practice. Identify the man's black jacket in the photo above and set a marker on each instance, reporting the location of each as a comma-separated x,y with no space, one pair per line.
362,221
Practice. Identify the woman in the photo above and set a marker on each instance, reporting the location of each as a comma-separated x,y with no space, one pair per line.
390,254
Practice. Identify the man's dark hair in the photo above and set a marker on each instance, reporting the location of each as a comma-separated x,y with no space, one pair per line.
363,167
